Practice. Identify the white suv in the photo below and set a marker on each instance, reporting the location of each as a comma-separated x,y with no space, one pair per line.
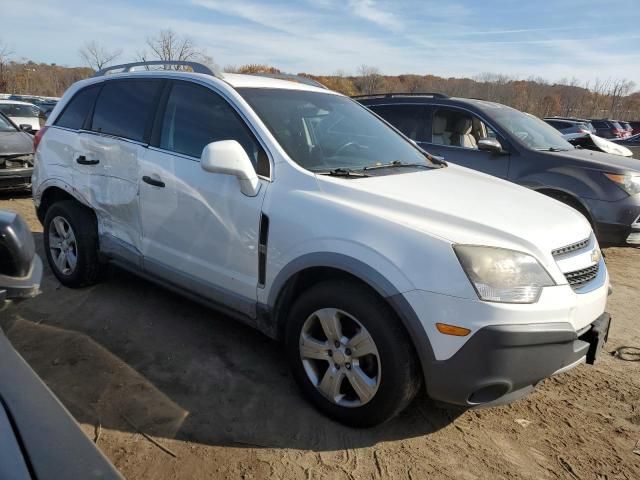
298,211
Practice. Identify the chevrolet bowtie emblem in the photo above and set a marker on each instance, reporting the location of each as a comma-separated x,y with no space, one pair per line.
595,256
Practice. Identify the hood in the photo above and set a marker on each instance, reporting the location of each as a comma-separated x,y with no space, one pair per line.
593,142
601,160
15,143
461,205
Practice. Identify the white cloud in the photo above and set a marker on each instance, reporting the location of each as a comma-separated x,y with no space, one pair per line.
372,12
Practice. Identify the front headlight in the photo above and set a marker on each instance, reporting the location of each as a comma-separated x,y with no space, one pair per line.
629,183
501,275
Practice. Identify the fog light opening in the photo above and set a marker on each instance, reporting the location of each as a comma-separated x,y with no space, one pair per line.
634,238
488,394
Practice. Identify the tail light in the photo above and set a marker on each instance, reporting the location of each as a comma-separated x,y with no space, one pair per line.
38,137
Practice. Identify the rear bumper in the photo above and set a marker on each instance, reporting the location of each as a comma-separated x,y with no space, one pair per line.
502,363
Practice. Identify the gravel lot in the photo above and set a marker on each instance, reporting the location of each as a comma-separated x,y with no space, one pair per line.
127,357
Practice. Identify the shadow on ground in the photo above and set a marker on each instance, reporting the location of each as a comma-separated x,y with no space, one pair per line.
130,355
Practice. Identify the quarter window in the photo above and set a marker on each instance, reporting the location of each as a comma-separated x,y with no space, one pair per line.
195,116
76,111
125,108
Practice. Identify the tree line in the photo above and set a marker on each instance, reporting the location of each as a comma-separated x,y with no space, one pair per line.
610,98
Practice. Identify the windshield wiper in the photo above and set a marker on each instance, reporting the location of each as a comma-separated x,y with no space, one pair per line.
342,172
553,149
396,164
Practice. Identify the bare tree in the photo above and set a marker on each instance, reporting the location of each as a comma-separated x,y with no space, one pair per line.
619,89
5,53
168,45
370,79
97,56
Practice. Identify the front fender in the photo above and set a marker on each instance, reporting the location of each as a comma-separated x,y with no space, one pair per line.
358,268
580,183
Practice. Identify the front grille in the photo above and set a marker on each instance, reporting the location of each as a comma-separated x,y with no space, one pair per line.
579,278
16,161
570,248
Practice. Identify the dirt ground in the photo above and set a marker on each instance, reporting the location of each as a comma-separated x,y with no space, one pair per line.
127,357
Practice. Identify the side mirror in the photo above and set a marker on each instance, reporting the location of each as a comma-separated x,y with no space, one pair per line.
25,127
490,145
229,158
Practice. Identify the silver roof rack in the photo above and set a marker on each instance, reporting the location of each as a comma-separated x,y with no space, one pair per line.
126,67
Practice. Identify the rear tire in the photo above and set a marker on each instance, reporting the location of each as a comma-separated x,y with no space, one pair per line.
71,244
385,381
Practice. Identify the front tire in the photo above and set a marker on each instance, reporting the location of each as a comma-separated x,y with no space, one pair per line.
350,355
71,244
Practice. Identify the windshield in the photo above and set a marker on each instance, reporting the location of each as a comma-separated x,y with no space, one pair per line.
19,110
5,125
323,131
530,130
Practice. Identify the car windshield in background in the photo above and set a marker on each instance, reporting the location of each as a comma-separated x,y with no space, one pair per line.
18,110
531,131
5,125
324,132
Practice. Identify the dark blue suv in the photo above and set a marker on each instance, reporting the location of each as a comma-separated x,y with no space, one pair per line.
519,147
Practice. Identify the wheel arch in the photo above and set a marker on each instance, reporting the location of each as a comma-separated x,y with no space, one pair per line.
311,269
52,193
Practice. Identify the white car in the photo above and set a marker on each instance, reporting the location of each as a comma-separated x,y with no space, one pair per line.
298,211
21,113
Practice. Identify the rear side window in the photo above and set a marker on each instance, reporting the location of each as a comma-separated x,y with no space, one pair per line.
125,108
195,116
76,111
409,119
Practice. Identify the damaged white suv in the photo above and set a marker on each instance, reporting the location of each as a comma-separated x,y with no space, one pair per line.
298,211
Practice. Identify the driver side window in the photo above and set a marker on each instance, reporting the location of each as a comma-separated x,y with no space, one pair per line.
195,116
458,128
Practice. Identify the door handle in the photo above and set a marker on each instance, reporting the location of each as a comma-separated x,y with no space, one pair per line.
82,160
153,181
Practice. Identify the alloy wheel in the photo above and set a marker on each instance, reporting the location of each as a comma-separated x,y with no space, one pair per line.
340,357
63,246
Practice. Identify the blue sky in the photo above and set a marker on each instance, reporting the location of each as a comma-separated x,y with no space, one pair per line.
549,39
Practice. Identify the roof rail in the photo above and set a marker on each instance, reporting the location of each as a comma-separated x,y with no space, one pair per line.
291,78
408,94
126,67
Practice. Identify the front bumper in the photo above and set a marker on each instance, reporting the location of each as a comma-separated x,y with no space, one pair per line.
617,223
502,363
15,178
20,288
